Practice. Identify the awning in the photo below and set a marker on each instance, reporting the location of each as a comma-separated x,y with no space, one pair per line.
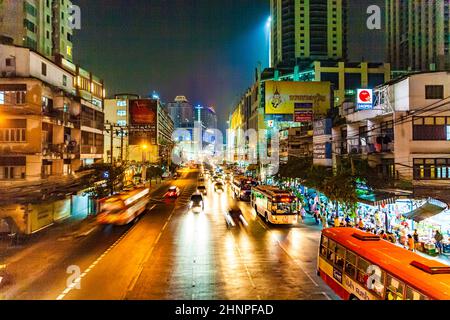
377,198
426,211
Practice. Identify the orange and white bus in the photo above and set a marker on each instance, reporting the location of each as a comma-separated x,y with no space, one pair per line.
123,208
361,266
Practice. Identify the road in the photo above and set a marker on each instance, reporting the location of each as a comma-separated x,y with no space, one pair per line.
174,254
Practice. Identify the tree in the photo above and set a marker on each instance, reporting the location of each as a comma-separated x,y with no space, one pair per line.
102,179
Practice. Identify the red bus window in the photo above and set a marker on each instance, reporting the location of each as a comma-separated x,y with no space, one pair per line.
394,289
350,264
412,294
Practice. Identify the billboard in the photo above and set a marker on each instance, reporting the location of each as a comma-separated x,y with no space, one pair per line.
364,99
288,97
143,122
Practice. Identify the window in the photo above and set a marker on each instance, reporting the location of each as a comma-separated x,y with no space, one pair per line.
122,123
44,69
340,257
9,62
12,97
394,289
48,19
362,268
64,80
31,10
331,251
431,169
323,247
412,294
431,128
121,113
434,92
350,264
30,26
121,103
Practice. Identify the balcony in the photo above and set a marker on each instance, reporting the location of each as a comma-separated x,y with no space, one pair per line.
95,124
92,149
59,151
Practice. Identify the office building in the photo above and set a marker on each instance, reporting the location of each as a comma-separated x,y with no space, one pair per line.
307,30
181,112
418,34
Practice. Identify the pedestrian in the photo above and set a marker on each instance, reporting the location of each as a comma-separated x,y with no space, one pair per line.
337,221
416,236
438,238
411,243
361,224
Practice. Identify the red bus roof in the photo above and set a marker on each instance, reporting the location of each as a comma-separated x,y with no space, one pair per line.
396,261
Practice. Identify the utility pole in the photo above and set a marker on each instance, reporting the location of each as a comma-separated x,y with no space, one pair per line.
112,144
121,144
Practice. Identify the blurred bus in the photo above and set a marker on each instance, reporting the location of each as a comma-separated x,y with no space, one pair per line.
275,205
123,208
242,187
361,266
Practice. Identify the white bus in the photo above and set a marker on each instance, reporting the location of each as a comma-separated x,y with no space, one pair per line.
276,206
242,187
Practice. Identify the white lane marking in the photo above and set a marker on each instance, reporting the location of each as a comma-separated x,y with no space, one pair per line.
326,295
144,261
287,253
296,262
89,269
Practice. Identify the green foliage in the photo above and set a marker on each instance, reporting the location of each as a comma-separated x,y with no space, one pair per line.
154,172
102,179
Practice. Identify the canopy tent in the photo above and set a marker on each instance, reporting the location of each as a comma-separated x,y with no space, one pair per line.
428,210
377,198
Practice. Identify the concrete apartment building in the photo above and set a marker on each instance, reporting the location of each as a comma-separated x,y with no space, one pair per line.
406,134
47,129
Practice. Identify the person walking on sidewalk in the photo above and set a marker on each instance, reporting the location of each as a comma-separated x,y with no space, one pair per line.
438,238
411,243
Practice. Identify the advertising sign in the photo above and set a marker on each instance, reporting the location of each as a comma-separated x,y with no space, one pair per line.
303,116
143,121
286,97
364,99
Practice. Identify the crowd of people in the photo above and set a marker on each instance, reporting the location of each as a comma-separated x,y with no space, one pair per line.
374,222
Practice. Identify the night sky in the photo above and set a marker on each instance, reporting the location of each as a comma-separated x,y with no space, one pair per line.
206,50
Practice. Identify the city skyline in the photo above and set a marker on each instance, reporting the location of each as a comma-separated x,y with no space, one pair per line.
190,29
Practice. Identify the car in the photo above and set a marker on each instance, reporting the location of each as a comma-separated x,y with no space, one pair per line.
197,204
235,213
219,187
202,189
173,192
176,175
165,175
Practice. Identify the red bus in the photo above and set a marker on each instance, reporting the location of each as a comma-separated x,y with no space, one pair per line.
361,266
123,208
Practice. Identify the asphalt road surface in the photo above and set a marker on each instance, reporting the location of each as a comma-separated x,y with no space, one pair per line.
172,253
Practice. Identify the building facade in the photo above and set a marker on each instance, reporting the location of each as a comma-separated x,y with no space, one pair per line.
116,114
307,30
41,25
418,35
52,129
181,112
406,135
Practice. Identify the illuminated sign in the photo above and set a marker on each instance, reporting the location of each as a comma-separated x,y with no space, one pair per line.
364,99
143,120
286,97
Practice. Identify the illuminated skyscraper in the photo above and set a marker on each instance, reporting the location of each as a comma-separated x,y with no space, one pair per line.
418,34
41,25
307,30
